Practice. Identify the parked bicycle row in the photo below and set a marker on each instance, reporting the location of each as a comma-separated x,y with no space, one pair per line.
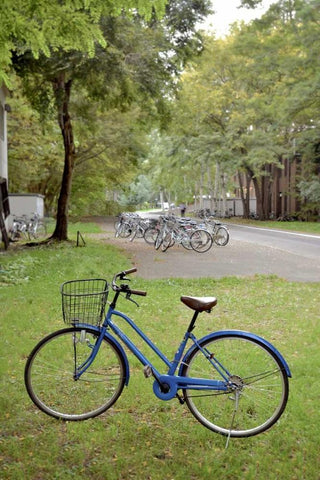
169,230
27,227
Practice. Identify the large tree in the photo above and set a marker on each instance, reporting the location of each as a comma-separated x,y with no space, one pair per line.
59,64
137,61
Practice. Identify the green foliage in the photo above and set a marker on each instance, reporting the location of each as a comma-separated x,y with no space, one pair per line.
138,193
43,27
248,101
310,193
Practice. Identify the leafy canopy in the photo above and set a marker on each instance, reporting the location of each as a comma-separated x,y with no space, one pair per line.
41,25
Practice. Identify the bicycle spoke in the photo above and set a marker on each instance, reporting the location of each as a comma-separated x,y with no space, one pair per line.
50,375
260,396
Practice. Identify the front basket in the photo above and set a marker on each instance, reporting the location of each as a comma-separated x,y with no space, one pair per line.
83,301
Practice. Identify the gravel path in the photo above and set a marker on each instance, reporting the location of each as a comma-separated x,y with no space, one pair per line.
238,258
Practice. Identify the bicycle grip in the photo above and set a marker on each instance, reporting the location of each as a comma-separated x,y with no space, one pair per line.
131,270
138,292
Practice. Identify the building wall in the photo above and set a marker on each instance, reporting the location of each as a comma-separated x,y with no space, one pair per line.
25,204
234,207
284,200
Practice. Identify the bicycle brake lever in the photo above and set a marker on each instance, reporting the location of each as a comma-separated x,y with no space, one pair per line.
128,297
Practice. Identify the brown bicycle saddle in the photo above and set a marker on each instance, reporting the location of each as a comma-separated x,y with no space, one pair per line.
199,304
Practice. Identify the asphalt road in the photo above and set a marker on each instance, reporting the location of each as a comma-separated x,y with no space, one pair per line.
250,251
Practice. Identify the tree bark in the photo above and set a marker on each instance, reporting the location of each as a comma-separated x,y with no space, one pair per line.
262,189
62,91
216,187
245,197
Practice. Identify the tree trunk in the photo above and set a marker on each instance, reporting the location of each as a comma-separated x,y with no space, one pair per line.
257,190
201,186
245,197
262,189
62,91
216,187
224,196
210,187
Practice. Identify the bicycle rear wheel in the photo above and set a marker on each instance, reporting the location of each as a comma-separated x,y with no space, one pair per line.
201,241
221,236
258,386
50,369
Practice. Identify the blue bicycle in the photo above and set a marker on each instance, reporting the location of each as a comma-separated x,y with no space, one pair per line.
235,383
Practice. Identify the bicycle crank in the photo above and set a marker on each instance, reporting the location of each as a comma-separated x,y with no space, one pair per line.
165,388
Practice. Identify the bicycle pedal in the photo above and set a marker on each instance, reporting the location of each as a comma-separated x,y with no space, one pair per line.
147,371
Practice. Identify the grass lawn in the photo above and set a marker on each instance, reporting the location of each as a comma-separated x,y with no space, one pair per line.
142,437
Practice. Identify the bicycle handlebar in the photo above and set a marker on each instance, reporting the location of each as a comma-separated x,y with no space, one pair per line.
125,288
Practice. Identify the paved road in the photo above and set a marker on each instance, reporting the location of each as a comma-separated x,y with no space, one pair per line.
305,245
295,257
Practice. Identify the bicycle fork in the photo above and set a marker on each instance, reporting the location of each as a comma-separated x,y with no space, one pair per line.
79,370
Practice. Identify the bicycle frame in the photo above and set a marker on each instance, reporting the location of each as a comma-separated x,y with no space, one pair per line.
166,385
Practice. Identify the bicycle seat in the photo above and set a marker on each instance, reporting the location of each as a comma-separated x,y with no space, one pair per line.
199,304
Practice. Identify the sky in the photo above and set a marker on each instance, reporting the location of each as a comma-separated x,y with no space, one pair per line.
227,13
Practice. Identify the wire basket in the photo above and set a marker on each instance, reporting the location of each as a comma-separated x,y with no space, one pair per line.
83,301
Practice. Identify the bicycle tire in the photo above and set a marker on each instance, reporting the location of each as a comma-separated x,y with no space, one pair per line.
201,241
185,238
38,231
159,240
133,234
140,232
124,230
150,235
167,242
14,235
261,382
49,375
221,237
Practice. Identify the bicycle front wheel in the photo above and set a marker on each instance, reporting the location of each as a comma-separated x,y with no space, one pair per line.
167,242
38,231
201,241
50,370
159,240
124,230
185,238
258,390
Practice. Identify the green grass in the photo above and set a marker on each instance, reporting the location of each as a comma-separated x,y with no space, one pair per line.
141,437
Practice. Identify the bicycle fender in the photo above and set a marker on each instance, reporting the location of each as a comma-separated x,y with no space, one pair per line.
243,334
116,343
